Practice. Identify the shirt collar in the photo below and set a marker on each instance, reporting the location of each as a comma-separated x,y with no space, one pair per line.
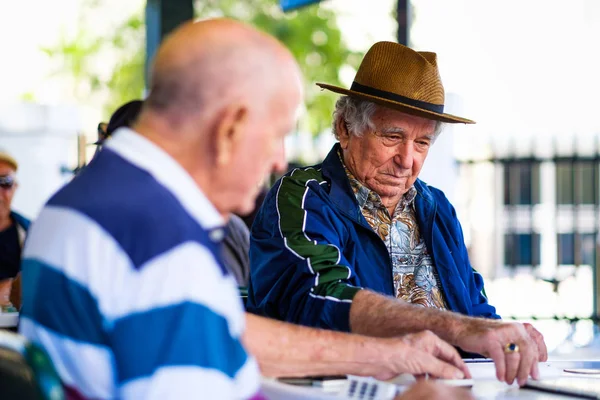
364,195
146,155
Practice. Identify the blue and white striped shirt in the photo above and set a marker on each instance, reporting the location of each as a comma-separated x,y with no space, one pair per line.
124,287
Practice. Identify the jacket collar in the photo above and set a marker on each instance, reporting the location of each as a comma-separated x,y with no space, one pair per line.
424,192
22,225
340,191
20,220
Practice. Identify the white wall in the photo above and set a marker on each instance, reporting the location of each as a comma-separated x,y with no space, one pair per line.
43,141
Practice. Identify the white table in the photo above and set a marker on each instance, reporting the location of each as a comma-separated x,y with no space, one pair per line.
9,320
484,374
487,387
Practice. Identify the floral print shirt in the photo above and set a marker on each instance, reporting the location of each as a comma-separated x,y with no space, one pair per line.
415,276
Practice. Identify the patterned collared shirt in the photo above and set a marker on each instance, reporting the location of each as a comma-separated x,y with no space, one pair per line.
415,276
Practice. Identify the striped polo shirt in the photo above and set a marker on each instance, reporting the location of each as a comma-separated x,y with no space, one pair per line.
124,288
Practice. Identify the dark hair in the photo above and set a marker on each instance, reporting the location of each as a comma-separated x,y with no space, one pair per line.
124,116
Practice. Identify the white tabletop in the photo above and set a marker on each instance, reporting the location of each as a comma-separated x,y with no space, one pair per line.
484,375
9,320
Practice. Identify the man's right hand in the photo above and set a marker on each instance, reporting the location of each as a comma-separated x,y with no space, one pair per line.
419,354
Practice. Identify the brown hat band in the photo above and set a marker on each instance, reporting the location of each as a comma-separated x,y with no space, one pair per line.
357,87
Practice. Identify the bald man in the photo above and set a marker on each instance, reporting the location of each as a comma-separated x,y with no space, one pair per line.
122,279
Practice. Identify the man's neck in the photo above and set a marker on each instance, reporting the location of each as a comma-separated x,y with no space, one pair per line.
5,222
199,168
390,204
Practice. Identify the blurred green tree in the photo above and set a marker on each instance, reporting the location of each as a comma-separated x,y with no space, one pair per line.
98,68
311,33
313,37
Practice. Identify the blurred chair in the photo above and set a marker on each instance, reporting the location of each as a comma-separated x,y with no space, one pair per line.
243,294
26,372
236,246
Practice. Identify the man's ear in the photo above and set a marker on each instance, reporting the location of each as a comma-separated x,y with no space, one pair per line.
229,131
341,128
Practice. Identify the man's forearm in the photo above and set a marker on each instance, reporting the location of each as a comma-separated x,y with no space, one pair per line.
373,314
284,349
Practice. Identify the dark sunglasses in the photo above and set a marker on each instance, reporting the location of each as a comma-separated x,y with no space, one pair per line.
7,181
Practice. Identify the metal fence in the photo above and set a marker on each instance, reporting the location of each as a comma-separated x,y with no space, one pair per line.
545,213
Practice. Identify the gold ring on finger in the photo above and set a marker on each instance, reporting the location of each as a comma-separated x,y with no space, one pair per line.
511,348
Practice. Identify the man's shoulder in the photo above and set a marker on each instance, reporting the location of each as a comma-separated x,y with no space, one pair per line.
112,188
297,183
132,208
302,176
433,195
291,189
431,192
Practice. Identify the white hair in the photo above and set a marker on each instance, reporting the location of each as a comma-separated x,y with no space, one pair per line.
357,114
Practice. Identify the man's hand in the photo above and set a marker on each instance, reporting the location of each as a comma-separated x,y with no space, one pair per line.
419,354
490,339
376,315
538,338
428,390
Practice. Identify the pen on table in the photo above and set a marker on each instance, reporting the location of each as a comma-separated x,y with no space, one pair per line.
318,381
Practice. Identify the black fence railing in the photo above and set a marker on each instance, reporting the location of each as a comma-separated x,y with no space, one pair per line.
547,199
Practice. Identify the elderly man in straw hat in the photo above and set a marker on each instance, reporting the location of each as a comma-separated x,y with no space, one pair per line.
360,244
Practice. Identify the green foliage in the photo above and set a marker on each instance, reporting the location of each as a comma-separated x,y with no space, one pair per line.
127,80
320,52
28,97
313,37
82,59
75,60
311,34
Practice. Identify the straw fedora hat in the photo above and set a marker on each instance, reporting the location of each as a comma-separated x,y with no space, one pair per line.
398,77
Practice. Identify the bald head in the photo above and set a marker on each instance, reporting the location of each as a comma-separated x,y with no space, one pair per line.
222,98
207,63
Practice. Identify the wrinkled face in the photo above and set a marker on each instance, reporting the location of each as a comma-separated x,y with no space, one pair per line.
8,186
388,159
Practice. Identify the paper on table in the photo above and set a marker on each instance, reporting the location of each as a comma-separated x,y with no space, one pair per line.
273,389
487,371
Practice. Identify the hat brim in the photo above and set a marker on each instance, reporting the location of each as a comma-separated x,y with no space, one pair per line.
419,112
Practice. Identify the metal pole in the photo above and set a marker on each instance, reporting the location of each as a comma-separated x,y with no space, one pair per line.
403,19
596,275
162,16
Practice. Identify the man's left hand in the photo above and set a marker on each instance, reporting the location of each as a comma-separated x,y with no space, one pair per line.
515,348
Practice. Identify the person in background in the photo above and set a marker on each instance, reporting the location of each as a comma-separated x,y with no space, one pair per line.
236,246
125,115
360,244
123,278
13,230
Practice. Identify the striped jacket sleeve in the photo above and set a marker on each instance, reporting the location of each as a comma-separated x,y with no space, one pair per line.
299,273
169,329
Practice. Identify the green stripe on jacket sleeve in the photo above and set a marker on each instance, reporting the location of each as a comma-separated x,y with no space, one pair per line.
320,250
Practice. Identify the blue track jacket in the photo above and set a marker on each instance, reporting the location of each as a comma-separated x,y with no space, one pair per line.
312,250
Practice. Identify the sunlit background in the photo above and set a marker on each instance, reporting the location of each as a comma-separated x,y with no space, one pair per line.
524,180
